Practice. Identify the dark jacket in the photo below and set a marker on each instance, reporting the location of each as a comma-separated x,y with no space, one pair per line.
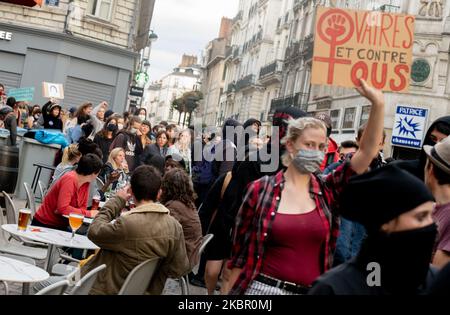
51,122
350,279
190,221
132,146
150,151
10,122
104,144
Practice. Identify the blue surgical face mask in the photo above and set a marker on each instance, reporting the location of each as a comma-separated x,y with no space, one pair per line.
308,161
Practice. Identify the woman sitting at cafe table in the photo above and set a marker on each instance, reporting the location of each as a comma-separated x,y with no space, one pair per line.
69,195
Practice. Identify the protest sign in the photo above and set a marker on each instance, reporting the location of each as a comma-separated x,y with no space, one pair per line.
409,126
22,94
53,90
373,45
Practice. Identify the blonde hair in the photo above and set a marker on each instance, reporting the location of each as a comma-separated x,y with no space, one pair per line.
112,155
70,154
296,127
184,146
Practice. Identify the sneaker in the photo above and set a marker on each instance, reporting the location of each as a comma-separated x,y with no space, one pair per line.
197,282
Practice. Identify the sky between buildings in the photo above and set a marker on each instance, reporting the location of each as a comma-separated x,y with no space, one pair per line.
184,26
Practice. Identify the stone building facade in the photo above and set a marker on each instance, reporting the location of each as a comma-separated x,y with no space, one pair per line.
284,80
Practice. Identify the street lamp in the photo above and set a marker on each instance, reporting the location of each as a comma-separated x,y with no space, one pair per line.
142,76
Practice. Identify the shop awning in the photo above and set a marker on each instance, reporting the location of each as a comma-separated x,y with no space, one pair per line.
27,3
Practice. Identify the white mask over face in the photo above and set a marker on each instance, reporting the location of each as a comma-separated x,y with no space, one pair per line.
120,126
142,117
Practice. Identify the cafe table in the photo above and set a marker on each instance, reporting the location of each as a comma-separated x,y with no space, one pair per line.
12,270
54,238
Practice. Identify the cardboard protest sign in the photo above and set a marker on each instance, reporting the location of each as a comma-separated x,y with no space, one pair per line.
53,90
372,45
22,94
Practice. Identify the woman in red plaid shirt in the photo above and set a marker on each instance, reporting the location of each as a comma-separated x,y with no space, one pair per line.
287,226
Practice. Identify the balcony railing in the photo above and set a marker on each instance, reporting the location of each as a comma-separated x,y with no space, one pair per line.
246,81
299,100
302,49
308,47
293,51
276,66
231,87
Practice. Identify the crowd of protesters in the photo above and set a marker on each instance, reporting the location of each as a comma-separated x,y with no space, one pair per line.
320,222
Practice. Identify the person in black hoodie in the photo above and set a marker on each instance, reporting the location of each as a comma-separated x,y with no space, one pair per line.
129,141
105,137
439,130
225,151
395,257
51,113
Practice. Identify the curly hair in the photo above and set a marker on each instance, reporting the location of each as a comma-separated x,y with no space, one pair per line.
177,186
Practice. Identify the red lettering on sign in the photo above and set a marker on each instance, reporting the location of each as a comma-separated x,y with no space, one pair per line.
379,84
408,23
398,71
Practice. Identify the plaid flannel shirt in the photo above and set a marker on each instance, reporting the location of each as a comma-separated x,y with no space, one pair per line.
257,213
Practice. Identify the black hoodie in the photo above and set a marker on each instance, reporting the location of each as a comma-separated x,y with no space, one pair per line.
51,122
417,167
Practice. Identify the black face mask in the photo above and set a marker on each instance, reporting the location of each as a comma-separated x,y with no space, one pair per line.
404,257
111,127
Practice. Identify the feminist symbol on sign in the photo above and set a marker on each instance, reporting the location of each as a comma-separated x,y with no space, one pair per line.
339,29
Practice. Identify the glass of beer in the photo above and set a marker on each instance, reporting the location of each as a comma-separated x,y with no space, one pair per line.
95,202
75,221
24,219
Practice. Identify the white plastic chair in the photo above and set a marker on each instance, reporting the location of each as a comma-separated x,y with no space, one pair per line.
11,212
83,286
139,278
8,247
31,200
57,288
42,190
184,281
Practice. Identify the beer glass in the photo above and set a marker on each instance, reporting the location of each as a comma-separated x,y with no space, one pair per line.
75,221
24,219
95,202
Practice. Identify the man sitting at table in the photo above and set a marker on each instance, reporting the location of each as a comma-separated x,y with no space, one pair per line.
69,195
145,232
